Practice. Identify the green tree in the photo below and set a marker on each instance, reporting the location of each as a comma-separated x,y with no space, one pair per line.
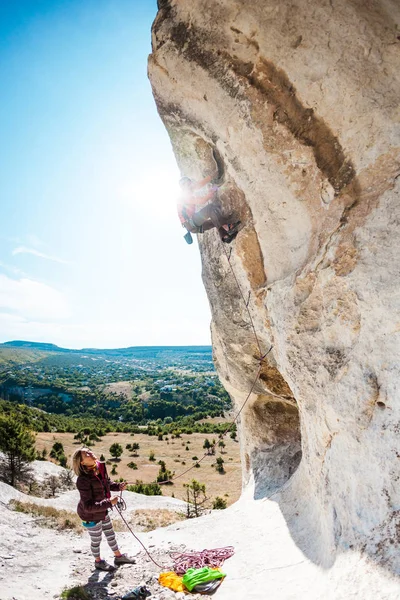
116,450
220,465
41,455
57,450
195,498
207,445
17,445
148,489
80,436
221,445
164,475
219,503
62,459
135,448
114,470
152,456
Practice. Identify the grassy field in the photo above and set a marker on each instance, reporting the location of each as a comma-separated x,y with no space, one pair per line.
120,387
175,455
16,356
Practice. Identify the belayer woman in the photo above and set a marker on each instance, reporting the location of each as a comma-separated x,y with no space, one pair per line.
94,487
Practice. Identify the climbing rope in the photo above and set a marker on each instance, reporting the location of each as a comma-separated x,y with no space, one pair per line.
246,302
260,359
184,561
196,560
119,511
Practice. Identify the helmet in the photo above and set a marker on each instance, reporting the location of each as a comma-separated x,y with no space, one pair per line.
185,181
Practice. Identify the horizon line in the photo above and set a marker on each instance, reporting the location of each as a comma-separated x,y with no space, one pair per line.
95,348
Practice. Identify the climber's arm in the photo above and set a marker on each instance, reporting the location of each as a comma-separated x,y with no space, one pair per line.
197,185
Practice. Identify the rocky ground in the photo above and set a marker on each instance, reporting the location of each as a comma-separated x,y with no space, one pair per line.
37,561
271,560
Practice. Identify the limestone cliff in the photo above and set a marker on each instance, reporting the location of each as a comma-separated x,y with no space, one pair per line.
294,106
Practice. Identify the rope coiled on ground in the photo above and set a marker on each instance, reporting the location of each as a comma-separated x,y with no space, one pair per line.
196,560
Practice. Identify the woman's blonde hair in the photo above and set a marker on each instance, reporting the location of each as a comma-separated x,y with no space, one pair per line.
77,466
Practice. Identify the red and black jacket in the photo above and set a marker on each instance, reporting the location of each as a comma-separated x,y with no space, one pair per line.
95,494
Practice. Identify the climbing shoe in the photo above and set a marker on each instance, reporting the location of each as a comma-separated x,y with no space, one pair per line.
124,560
139,593
230,232
234,227
102,565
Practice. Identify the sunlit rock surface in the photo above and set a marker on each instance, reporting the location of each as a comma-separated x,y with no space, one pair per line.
295,107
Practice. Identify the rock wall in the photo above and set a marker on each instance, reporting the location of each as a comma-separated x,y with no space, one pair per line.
295,107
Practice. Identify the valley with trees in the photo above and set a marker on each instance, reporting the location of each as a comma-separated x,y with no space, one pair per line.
156,416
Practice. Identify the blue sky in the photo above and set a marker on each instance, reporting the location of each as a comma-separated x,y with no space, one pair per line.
91,249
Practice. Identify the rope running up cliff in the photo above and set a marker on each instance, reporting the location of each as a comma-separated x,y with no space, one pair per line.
260,359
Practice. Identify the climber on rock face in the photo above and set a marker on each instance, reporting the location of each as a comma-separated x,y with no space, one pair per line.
194,195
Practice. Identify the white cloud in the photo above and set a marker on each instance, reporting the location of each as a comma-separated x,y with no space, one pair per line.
12,269
26,250
29,299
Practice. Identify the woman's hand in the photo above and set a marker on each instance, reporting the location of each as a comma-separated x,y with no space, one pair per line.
114,500
122,486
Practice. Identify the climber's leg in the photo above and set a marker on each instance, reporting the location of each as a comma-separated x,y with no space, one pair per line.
95,539
211,213
108,530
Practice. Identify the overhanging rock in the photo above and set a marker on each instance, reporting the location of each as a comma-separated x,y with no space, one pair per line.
295,106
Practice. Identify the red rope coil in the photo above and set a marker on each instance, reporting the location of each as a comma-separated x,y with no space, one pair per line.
196,560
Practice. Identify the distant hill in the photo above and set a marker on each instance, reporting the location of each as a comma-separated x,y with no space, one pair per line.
16,351
131,351
33,346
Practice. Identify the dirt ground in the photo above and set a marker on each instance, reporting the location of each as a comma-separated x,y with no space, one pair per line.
175,455
119,387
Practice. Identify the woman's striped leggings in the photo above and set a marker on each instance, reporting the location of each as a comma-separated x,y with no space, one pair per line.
95,536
